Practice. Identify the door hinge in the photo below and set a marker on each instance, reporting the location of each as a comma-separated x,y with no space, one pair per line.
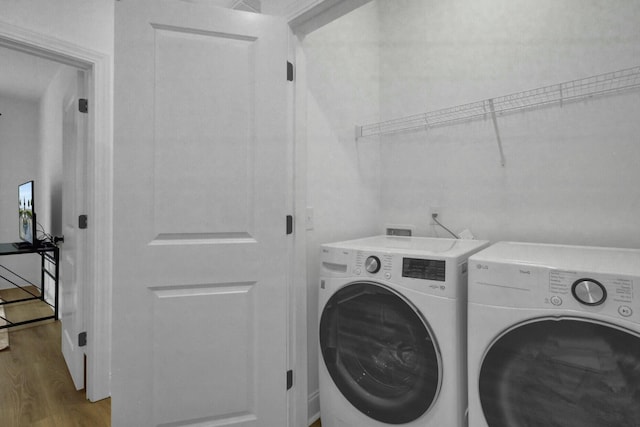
289,224
289,71
83,105
82,339
82,222
289,379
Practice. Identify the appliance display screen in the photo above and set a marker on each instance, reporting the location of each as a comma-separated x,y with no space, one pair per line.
425,269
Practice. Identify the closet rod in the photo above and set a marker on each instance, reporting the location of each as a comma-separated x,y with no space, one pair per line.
575,90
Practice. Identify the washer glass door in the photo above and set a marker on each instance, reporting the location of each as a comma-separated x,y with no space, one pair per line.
568,372
380,352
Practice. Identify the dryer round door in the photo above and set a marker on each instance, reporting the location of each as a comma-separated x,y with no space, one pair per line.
562,372
380,352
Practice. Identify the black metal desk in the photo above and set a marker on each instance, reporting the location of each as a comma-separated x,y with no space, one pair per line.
49,253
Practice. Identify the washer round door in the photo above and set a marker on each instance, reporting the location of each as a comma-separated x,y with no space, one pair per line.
567,372
380,352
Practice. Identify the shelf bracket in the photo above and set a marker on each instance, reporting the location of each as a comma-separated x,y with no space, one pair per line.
495,127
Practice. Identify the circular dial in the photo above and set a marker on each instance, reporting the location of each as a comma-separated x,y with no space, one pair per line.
372,264
589,292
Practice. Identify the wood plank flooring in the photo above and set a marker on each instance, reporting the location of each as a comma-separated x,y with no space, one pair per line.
20,311
35,386
316,424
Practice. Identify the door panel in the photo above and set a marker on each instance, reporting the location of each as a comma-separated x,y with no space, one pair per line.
199,118
235,331
72,252
200,266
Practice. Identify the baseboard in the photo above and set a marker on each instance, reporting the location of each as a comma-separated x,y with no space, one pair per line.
313,407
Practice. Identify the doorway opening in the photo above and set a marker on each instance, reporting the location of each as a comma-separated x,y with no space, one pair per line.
97,193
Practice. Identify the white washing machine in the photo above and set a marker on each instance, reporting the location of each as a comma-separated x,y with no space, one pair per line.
554,336
392,317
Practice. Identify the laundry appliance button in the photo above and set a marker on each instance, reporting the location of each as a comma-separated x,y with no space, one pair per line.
625,311
372,264
556,300
589,292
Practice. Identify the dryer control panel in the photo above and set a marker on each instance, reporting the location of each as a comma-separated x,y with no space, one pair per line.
526,286
609,295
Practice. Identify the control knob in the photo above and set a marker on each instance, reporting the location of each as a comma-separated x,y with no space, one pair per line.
372,264
589,292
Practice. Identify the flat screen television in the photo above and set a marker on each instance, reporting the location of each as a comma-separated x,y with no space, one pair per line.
27,215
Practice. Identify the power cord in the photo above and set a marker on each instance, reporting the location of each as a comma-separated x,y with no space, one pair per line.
434,216
46,237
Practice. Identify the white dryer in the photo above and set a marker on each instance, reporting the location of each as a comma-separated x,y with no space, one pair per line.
391,331
554,336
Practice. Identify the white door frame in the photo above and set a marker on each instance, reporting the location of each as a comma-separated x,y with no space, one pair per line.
307,16
99,191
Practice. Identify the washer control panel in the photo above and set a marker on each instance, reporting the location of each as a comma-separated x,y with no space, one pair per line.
423,274
373,264
425,269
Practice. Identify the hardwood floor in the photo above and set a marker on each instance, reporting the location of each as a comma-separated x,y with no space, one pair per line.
35,386
18,312
316,424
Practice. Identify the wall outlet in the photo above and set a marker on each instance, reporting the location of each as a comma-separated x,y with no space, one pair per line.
435,210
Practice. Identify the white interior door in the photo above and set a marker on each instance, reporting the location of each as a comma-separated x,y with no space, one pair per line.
72,278
200,196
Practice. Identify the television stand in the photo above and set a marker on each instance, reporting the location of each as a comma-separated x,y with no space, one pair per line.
49,267
22,245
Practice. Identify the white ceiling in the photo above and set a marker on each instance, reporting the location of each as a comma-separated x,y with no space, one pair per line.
23,75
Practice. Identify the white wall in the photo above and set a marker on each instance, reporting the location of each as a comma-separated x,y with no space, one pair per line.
571,171
18,164
342,61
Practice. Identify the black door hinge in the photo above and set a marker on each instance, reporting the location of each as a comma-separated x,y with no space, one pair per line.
289,224
289,379
82,339
82,222
289,71
83,105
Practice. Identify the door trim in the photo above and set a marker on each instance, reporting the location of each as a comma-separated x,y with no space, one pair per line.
318,13
99,190
303,18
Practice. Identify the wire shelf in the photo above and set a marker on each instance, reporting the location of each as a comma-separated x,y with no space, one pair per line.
603,84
